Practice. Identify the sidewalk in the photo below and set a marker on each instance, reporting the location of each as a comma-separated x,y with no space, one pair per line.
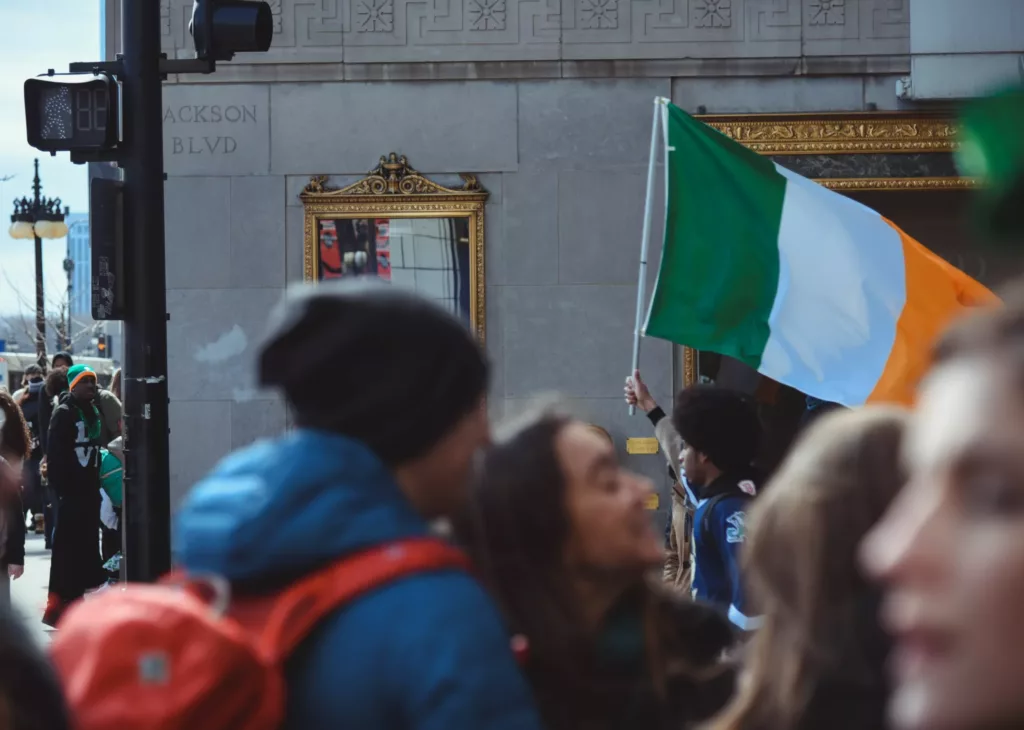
28,594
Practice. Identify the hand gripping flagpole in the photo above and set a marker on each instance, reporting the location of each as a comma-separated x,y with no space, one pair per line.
645,240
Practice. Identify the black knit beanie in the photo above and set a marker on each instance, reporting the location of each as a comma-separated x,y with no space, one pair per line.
373,362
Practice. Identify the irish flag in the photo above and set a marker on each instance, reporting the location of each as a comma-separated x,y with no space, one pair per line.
807,286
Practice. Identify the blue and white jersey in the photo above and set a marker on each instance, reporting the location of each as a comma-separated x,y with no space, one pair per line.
719,532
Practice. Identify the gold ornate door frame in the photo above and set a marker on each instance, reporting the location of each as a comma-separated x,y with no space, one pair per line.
877,137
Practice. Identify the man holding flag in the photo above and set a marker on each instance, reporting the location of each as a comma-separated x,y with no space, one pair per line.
711,441
809,288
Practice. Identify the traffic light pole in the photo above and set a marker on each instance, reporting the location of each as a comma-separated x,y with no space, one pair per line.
147,543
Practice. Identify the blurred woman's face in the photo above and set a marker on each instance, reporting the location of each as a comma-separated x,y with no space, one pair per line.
951,555
610,528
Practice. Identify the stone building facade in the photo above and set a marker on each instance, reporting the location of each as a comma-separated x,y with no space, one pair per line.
548,103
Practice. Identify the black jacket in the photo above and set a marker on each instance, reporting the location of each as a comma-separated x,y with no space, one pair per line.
44,416
72,459
31,409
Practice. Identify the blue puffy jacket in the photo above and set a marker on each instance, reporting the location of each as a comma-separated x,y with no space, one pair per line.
427,651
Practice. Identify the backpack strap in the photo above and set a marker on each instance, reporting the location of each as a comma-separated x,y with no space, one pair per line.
281,621
705,518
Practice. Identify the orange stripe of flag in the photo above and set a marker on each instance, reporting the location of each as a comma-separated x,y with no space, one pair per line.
937,293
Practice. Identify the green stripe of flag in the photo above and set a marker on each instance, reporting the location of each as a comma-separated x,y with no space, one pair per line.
720,263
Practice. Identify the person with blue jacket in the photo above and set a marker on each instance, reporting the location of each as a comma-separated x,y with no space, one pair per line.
387,391
721,434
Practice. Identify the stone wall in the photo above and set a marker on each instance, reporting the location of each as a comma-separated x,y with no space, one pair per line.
549,102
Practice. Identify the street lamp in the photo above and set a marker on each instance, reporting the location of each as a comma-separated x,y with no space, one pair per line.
38,218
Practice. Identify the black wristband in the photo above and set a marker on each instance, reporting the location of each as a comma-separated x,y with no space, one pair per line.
656,414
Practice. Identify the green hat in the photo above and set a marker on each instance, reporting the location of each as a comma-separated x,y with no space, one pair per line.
78,372
992,149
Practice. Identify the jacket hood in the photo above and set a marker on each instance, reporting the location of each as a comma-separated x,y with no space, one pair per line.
66,398
283,507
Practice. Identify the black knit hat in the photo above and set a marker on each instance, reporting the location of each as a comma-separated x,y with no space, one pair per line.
373,362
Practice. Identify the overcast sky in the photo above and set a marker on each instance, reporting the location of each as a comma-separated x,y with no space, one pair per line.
41,35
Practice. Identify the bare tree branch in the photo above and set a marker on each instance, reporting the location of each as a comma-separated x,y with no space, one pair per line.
22,299
56,314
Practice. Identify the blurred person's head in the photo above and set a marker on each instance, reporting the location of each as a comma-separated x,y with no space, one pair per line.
552,497
57,381
950,552
820,649
720,432
391,370
15,439
33,374
61,360
115,383
82,383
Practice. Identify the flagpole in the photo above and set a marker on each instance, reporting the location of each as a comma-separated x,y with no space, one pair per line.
645,240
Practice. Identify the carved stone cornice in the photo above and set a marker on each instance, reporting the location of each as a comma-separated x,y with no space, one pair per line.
816,134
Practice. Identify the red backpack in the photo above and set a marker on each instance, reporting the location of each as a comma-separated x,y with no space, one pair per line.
165,657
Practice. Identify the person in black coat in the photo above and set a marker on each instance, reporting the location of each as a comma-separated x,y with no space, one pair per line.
73,468
28,401
60,360
56,384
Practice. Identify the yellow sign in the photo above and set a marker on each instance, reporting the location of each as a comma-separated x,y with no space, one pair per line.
642,446
652,501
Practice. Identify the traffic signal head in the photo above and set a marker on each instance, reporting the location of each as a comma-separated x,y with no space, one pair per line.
222,28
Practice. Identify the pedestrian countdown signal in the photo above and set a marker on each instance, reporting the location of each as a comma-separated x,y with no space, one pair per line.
75,112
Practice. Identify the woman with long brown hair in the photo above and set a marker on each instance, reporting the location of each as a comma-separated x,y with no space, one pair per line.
561,535
818,659
15,447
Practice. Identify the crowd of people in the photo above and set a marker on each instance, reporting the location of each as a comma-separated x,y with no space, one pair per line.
869,582
55,431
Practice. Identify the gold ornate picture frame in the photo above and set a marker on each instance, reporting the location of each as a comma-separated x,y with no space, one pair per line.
394,192
863,133
832,134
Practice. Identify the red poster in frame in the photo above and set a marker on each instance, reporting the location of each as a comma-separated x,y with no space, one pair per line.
383,246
